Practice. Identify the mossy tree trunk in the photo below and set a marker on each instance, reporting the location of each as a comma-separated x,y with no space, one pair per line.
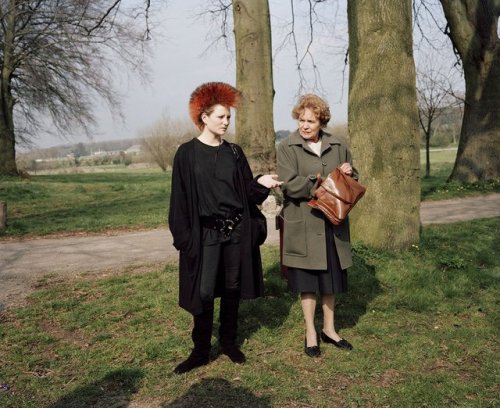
383,122
8,165
254,78
7,136
473,31
3,215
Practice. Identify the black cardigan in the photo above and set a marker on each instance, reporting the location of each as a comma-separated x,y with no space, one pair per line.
184,224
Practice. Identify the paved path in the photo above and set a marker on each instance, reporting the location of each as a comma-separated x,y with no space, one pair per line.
23,262
460,209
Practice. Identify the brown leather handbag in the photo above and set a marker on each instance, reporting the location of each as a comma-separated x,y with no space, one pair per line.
337,195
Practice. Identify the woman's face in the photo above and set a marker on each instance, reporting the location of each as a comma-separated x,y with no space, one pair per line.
217,121
309,125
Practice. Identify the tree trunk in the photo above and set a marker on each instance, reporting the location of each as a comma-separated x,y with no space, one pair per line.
3,215
383,122
8,165
254,78
428,153
473,31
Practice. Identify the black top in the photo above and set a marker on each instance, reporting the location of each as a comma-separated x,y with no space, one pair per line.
215,170
184,224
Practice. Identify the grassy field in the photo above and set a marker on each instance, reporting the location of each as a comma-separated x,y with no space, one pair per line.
134,199
86,202
435,187
423,322
439,156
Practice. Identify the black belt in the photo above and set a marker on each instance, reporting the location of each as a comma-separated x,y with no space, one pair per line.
226,225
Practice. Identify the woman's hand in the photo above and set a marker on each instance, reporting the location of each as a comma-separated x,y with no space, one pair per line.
346,168
269,180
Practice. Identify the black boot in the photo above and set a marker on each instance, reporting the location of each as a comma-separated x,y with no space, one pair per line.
228,326
201,335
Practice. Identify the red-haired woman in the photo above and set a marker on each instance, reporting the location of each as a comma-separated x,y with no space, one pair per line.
212,199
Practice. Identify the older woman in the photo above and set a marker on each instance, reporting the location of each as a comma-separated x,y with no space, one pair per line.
316,252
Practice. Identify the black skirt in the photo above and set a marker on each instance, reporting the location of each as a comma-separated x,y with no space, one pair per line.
323,282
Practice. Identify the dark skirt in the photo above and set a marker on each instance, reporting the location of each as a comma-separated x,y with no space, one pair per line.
331,281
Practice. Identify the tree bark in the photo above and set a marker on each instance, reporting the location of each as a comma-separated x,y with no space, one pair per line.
473,32
254,78
428,153
8,165
3,215
383,122
7,136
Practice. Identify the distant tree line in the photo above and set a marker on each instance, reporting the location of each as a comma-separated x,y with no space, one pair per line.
81,149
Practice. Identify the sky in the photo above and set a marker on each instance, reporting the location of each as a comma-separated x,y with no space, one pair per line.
182,58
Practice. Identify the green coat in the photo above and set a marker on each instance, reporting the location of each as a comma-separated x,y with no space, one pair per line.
304,243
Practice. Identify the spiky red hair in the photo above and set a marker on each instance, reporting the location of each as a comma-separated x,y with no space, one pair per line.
208,95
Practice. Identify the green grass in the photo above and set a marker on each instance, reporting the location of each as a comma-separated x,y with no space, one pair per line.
135,199
423,322
439,156
436,187
91,202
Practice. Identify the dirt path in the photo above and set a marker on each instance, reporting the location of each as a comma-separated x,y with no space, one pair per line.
24,262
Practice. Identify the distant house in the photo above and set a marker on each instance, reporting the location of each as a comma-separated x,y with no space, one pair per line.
133,150
106,153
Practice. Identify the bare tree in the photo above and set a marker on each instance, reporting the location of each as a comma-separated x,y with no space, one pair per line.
472,27
303,35
254,78
383,122
435,95
56,57
254,120
162,139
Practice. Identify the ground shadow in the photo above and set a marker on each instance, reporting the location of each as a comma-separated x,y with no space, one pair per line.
115,389
217,392
273,309
363,287
269,311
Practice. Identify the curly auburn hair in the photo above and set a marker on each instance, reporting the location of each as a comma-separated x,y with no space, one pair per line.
316,104
209,94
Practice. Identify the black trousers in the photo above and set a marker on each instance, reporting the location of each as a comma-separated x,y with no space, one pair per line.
221,255
224,252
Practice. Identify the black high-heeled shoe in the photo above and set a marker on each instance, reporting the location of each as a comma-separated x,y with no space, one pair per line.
313,351
343,344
